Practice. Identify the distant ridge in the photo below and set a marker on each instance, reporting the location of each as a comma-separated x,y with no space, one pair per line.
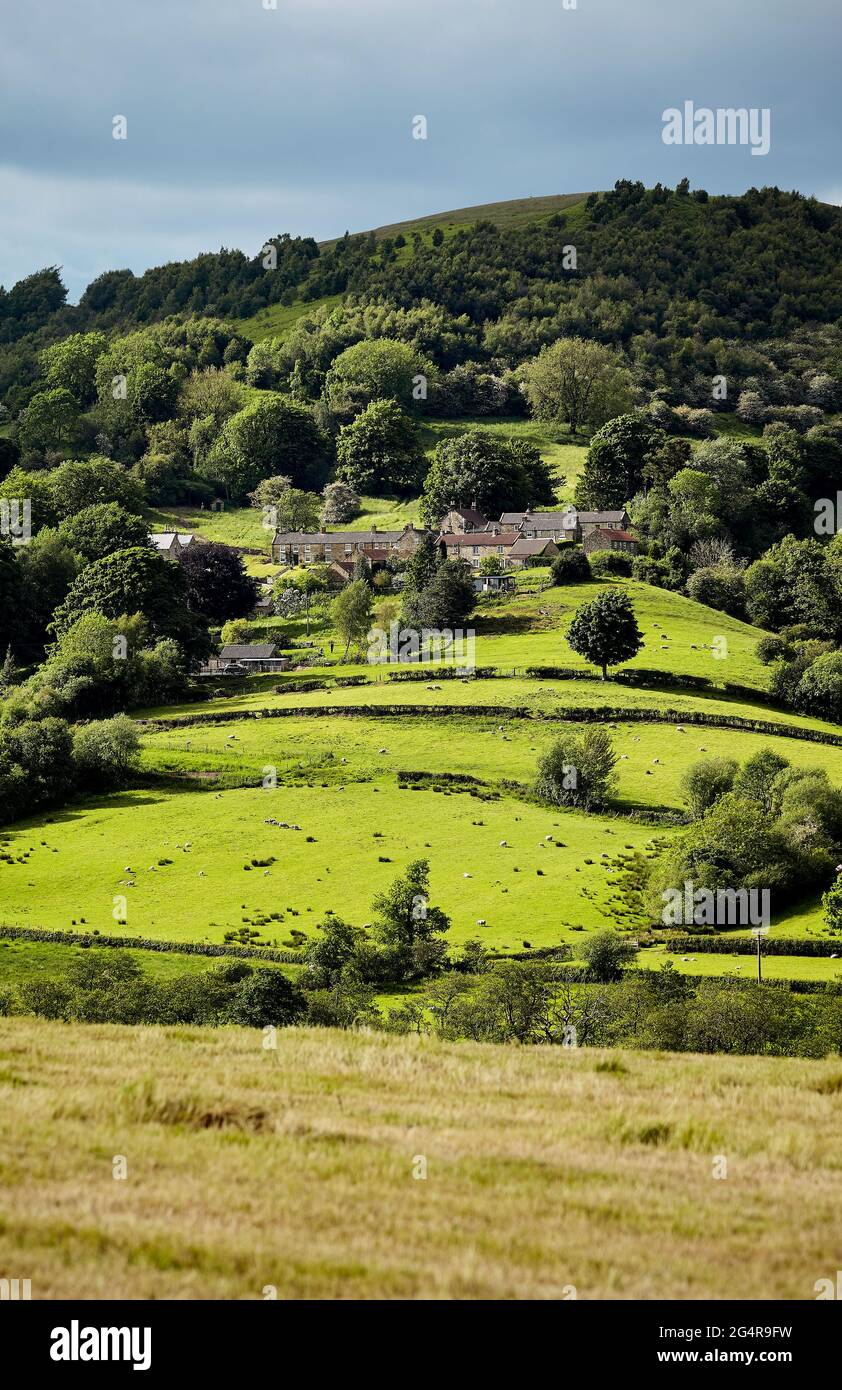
516,212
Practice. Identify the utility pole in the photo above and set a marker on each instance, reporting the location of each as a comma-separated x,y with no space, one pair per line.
758,933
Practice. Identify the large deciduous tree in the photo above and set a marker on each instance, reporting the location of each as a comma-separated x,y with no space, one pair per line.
577,381
605,631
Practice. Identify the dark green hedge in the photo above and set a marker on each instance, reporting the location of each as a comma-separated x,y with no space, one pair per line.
746,946
141,943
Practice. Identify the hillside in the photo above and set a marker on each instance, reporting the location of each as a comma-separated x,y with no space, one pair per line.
295,1171
516,212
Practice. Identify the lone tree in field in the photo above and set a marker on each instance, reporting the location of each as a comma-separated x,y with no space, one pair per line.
577,769
605,631
351,613
605,953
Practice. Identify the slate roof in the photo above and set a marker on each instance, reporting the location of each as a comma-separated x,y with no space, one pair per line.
248,651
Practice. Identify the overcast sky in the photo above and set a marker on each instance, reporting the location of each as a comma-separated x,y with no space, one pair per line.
245,121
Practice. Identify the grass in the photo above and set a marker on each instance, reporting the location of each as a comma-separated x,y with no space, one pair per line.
34,960
291,1170
363,836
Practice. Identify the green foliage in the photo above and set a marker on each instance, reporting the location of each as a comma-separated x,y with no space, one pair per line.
616,460
351,613
605,563
48,420
605,631
706,781
571,566
216,584
483,470
71,365
136,581
379,452
606,953
577,382
98,530
445,601
378,370
272,435
578,770
77,486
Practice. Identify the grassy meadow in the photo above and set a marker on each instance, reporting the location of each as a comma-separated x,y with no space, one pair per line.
296,1171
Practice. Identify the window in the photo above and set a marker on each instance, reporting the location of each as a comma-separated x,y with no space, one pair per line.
475,550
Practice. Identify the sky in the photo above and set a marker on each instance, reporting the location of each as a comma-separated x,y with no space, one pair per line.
247,118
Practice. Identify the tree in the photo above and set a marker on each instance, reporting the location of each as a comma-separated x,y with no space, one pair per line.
379,452
97,531
351,613
211,393
820,688
832,904
47,421
756,778
721,587
479,469
136,581
571,566
46,568
271,435
491,564
407,924
605,631
332,952
269,492
152,394
446,600
378,369
339,504
577,770
578,381
605,953
265,998
706,781
105,752
313,580
297,511
615,461
71,365
217,585
75,486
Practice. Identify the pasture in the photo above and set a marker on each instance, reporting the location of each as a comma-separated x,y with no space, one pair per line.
348,1165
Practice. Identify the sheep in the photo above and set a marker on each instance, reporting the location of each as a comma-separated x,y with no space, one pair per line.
467,875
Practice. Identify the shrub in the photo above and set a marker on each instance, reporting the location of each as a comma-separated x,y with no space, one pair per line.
608,562
571,567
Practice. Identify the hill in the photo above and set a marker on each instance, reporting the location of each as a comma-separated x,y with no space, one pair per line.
359,1166
515,212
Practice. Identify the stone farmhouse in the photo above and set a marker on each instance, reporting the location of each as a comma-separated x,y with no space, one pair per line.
309,547
513,549
171,544
609,538
567,525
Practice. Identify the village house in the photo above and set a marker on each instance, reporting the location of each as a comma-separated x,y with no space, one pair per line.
527,549
493,583
513,550
567,525
609,538
474,546
462,520
311,547
171,544
237,658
